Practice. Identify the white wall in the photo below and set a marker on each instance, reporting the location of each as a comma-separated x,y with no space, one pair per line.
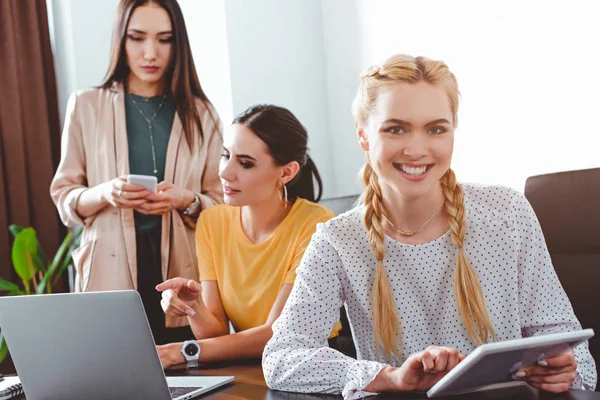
277,56
81,34
207,30
527,72
343,56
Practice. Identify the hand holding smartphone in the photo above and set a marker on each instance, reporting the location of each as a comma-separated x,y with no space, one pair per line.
149,182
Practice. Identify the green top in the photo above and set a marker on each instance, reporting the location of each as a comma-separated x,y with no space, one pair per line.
140,147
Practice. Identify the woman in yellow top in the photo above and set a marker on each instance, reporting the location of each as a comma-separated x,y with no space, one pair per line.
249,248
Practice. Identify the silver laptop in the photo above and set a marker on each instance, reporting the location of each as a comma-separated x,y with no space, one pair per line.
95,346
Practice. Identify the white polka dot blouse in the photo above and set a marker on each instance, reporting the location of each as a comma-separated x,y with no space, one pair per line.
505,246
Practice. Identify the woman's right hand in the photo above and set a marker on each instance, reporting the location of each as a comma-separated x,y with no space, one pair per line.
418,373
180,296
120,194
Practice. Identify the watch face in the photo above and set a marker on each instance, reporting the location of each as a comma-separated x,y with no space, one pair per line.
191,349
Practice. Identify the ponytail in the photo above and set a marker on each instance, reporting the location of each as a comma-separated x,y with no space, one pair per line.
303,184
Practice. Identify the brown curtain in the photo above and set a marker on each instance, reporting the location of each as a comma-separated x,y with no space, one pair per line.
29,127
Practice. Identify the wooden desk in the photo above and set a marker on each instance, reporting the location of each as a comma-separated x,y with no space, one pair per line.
250,384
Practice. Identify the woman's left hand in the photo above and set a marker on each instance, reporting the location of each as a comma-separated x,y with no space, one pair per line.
553,374
167,197
170,355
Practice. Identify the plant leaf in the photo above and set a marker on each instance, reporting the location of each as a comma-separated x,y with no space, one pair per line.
62,267
77,231
15,229
56,265
39,261
68,259
3,348
24,249
41,288
7,286
62,251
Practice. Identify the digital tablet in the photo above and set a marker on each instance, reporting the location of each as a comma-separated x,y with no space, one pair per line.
492,365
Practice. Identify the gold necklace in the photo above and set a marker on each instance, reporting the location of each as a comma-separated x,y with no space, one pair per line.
149,121
417,231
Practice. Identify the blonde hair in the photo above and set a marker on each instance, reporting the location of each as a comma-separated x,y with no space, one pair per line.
467,287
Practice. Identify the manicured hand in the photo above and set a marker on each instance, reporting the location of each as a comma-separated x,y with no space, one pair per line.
167,197
554,374
180,296
120,194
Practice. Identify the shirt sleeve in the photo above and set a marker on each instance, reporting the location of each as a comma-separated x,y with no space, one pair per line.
304,240
70,180
206,262
543,304
297,358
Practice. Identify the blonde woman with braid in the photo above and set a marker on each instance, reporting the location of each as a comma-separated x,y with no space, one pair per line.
427,268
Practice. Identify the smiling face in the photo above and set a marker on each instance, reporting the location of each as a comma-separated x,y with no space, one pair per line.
149,44
409,137
248,172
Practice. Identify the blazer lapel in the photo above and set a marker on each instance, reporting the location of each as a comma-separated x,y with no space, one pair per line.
122,157
173,149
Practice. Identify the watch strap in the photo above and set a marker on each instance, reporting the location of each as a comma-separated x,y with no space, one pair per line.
193,208
191,361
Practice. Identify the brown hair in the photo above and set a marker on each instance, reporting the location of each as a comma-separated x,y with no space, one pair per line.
467,287
287,141
182,81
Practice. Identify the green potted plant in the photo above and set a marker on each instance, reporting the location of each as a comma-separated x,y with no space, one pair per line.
37,274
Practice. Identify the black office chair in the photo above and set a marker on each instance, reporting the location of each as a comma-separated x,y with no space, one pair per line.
567,205
341,204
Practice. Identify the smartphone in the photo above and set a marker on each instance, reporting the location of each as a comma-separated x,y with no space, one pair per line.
149,182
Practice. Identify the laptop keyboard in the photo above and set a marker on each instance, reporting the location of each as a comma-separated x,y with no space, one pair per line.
181,391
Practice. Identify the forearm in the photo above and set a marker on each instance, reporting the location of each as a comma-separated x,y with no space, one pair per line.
382,382
242,345
187,198
205,325
92,201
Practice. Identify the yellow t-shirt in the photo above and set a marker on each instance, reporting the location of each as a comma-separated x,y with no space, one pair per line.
250,275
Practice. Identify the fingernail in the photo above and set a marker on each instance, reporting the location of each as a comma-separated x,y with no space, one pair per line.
190,312
543,363
520,374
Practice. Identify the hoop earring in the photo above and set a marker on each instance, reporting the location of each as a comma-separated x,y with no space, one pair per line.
284,198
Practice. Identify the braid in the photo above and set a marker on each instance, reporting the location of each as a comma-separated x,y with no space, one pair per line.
385,314
467,287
